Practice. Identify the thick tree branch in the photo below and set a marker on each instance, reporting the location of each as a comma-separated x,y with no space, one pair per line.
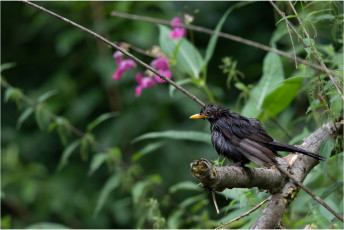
220,178
300,166
283,190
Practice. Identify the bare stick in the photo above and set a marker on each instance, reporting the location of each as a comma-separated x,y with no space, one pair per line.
215,203
136,49
340,91
298,18
292,43
187,93
243,215
224,35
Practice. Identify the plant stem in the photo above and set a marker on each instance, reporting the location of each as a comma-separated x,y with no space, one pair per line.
224,35
340,91
209,94
187,93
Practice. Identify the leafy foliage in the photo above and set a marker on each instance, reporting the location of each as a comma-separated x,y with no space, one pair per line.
133,166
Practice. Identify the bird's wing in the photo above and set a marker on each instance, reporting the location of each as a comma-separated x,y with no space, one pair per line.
258,132
256,153
248,138
243,127
252,150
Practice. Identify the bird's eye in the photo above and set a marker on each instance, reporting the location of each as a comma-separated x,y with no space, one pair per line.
207,113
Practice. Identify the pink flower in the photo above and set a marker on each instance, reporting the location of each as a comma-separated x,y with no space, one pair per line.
175,21
118,57
124,65
144,82
161,65
166,73
178,31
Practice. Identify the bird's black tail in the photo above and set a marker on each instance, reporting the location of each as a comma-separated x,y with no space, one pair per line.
278,146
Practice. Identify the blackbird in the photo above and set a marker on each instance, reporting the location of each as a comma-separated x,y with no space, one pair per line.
243,139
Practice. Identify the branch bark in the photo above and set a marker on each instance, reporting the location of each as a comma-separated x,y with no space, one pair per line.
283,190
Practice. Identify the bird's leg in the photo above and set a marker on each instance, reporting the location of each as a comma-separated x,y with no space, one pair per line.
239,164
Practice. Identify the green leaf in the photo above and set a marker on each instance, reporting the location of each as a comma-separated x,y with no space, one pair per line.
185,185
188,58
324,17
308,50
184,81
176,49
336,104
230,205
7,95
241,86
52,126
173,220
331,189
287,17
282,96
272,76
14,94
42,118
305,133
326,147
314,105
24,116
67,152
192,200
300,222
280,31
148,149
46,95
97,160
100,119
8,65
6,221
318,11
198,206
63,129
309,42
325,150
155,178
46,225
87,143
179,135
213,40
112,183
138,191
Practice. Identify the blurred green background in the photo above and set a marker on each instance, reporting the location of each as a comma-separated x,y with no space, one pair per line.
50,54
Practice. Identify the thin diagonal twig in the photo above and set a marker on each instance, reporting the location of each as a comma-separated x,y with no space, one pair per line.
187,93
292,43
307,190
298,18
136,49
224,35
340,91
243,215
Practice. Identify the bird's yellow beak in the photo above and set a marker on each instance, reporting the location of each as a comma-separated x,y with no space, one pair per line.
198,116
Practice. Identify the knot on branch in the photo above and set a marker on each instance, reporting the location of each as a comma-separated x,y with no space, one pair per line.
203,169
